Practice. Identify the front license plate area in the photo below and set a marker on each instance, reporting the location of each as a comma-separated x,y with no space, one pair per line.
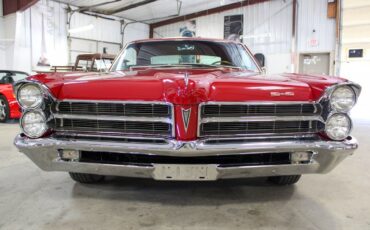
185,172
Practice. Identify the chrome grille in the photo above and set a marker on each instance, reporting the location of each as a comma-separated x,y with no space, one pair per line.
128,127
213,110
125,119
114,109
275,118
219,128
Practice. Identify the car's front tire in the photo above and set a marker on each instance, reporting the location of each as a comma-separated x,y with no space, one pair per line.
284,180
4,109
86,178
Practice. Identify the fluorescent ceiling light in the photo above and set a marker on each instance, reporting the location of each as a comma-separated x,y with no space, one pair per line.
81,29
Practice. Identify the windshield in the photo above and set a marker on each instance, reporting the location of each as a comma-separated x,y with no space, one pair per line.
102,64
11,77
185,53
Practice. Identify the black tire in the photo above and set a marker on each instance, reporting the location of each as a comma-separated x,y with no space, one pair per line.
4,109
86,178
284,180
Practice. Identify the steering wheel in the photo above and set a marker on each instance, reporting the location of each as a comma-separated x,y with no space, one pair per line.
222,62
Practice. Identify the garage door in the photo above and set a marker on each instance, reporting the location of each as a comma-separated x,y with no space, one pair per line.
86,46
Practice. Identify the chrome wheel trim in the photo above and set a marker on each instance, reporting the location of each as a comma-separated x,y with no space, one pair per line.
2,110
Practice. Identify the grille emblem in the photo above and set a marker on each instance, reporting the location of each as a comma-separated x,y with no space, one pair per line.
186,117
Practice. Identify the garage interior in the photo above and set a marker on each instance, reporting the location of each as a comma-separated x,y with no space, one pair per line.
330,37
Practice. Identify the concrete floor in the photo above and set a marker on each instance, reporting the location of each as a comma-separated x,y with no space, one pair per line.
33,199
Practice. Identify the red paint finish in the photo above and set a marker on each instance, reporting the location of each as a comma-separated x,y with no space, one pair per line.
168,85
6,90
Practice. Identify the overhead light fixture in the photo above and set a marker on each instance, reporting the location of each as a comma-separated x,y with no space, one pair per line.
81,29
222,2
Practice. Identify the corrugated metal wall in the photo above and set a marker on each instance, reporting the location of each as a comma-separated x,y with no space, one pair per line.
104,30
268,29
267,26
105,33
108,30
20,48
313,23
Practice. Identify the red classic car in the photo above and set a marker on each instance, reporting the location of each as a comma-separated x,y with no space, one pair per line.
9,108
186,109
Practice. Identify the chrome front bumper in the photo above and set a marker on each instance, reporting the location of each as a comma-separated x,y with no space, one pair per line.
328,154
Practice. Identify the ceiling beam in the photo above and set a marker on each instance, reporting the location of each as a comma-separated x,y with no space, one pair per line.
12,6
134,5
89,8
124,8
204,13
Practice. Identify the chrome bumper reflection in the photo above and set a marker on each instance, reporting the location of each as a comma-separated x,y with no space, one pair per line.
45,153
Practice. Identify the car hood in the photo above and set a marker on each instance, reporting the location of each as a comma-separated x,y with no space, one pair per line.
184,86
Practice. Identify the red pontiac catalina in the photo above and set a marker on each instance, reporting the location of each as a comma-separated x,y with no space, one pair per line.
186,109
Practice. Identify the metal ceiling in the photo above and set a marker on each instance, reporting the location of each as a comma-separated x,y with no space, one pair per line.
148,11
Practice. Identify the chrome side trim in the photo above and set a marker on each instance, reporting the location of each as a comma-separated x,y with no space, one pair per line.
113,118
117,101
112,135
262,136
261,118
257,103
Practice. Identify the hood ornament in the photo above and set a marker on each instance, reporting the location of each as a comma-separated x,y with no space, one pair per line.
186,79
186,117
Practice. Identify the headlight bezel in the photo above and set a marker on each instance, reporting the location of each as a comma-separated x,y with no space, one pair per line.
341,110
325,98
331,116
44,117
329,110
44,108
42,93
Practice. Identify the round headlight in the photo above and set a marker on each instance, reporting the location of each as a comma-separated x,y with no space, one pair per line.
30,96
343,99
34,124
338,126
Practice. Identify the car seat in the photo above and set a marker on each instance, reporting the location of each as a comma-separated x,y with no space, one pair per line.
7,79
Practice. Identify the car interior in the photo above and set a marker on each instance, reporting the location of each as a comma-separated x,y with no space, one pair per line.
6,78
11,78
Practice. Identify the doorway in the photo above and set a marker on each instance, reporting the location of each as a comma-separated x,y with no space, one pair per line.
314,63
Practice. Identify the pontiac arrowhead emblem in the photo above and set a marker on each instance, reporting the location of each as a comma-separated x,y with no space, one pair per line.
186,117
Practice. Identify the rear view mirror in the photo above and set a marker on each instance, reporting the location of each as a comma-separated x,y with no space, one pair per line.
261,59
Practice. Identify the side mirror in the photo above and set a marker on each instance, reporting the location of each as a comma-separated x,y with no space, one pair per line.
261,59
264,70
